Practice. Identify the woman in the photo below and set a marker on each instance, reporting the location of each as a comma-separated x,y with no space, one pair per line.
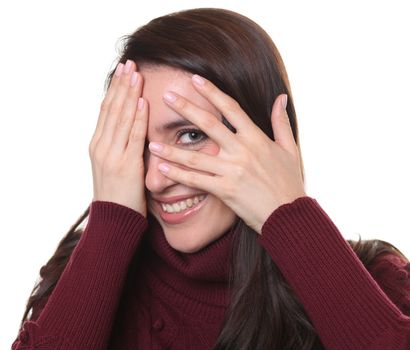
212,241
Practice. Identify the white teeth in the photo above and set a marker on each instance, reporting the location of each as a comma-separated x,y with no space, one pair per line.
182,205
176,207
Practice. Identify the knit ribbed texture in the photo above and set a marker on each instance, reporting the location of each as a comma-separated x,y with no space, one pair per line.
82,306
114,296
195,283
346,305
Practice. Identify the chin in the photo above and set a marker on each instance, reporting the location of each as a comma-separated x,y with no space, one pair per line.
186,250
187,244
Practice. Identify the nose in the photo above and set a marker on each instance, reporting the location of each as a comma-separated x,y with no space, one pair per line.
155,181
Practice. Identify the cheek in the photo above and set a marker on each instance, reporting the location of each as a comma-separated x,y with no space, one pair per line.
210,148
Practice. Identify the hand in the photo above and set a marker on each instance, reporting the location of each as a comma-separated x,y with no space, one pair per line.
251,174
117,147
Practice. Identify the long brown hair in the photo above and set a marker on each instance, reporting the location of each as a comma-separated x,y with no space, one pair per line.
240,58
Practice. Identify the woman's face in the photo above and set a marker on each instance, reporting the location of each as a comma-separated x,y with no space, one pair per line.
196,224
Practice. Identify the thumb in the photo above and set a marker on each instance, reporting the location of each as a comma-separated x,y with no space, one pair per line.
281,127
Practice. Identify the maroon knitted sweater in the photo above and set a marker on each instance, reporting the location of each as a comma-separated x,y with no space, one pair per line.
123,289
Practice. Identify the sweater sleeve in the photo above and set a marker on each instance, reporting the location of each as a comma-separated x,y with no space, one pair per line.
347,307
80,311
392,274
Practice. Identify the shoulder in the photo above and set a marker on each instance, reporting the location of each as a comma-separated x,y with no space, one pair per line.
37,308
391,271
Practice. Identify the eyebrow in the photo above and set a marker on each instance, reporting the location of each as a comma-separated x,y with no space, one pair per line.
173,125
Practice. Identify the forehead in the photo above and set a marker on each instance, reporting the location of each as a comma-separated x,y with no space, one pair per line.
157,81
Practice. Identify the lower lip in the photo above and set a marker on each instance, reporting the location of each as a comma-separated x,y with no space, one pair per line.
176,218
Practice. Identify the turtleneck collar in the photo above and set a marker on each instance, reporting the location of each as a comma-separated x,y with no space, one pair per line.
194,281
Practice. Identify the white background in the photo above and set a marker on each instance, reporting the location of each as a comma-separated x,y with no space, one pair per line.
348,65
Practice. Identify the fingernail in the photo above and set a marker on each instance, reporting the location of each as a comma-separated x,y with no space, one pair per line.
284,101
127,67
198,80
163,167
169,96
118,70
156,147
140,104
134,78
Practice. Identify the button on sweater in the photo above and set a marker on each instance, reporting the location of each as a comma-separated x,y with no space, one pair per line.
125,287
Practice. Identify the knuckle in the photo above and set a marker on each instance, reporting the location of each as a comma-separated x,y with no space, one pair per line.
98,156
238,171
136,135
124,82
181,103
130,99
115,108
283,119
211,87
91,147
123,121
167,152
208,123
232,105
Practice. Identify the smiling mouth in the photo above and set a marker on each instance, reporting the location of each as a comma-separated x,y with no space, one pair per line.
183,205
177,213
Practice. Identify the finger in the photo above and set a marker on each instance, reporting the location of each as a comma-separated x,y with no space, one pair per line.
192,159
282,129
106,102
205,120
128,115
116,105
228,106
136,140
208,183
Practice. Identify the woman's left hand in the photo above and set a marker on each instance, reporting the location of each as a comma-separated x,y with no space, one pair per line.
253,174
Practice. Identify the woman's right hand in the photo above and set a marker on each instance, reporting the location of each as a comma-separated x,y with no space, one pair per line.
117,147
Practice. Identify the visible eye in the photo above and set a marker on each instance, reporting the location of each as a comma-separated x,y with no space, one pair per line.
191,137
